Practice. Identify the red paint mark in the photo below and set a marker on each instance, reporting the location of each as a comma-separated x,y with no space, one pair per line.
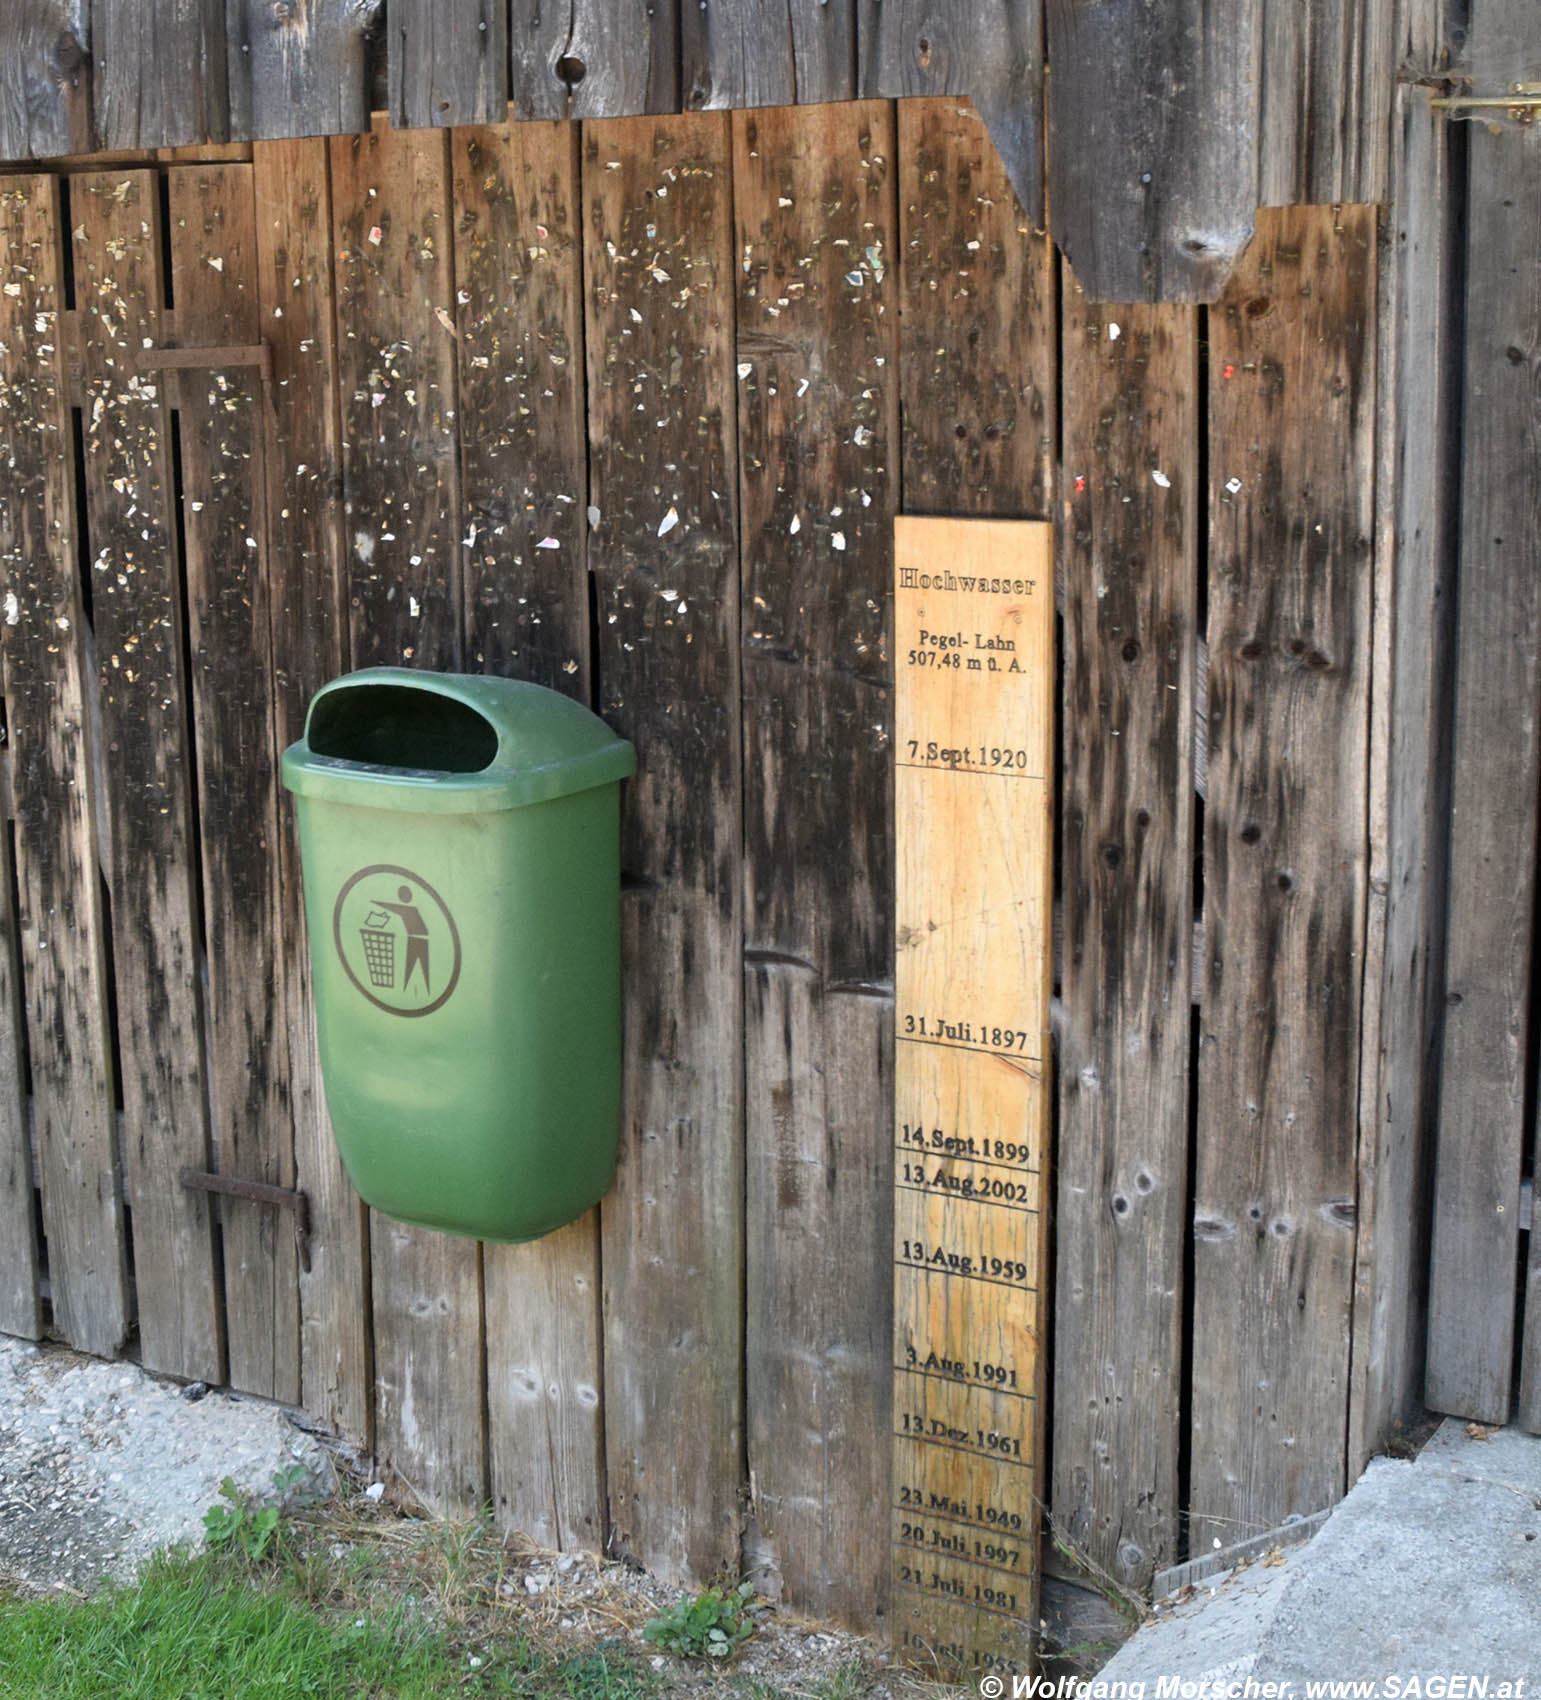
1080,484
1229,372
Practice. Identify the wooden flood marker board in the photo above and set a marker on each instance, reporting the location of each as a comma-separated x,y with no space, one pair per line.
973,723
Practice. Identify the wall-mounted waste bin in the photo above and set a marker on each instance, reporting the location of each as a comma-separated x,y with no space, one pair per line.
459,838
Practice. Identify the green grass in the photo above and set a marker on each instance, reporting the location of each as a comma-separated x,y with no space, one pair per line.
203,1629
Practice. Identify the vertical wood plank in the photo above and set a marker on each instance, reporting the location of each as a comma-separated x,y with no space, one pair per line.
158,73
303,459
1409,790
818,436
21,1297
214,279
664,555
45,83
767,55
523,475
136,586
1292,408
1153,134
594,58
61,930
447,62
1132,511
396,372
978,357
1496,767
298,69
1326,75
991,52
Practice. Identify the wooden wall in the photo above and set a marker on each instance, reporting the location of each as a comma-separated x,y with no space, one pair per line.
1162,127
629,407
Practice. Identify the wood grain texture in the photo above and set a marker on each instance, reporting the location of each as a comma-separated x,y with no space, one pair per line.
303,459
158,73
1496,767
665,560
621,59
1292,526
523,476
818,301
1418,465
978,352
447,61
299,68
1325,80
45,81
1153,135
1132,511
213,244
991,52
396,366
21,1293
137,591
61,929
766,53
973,901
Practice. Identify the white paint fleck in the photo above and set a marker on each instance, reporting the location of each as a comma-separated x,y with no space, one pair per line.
12,608
745,367
593,516
1160,480
796,525
217,261
414,607
1115,330
364,546
548,543
837,540
668,522
1233,485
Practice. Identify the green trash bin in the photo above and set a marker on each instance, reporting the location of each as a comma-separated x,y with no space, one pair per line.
459,838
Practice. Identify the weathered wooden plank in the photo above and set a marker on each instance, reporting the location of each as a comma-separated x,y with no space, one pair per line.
447,61
770,53
973,900
299,68
979,341
992,53
1409,789
1497,759
1325,79
136,585
1292,523
213,244
818,301
1153,133
21,1296
396,376
1132,512
158,73
664,556
45,81
594,59
523,479
63,941
1528,1408
303,459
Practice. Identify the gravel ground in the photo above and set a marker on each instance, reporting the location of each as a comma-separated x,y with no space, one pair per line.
101,1465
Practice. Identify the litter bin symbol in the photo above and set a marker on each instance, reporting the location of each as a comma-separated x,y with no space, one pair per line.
379,948
397,939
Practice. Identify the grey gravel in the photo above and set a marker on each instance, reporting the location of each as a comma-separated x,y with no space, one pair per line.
102,1465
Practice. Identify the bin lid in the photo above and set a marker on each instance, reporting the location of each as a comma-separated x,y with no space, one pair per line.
449,743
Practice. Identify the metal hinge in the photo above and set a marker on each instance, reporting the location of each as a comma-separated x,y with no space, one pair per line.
258,1192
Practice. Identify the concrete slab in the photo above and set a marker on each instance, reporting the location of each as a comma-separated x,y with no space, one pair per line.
1428,1570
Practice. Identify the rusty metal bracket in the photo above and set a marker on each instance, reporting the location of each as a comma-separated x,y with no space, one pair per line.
258,1192
258,354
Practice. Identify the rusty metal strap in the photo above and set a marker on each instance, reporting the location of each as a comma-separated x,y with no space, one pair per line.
258,1192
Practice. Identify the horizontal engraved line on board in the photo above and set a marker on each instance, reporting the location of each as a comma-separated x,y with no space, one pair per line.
968,1605
985,1527
974,772
961,1381
968,1451
899,1544
954,1045
963,1275
966,1198
917,1151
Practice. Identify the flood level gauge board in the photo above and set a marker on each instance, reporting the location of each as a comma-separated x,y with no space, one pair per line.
973,754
